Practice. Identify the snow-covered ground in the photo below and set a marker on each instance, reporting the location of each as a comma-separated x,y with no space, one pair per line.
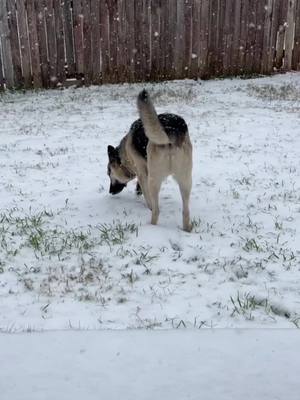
72,256
170,365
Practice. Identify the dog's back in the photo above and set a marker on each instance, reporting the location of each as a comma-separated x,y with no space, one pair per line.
173,125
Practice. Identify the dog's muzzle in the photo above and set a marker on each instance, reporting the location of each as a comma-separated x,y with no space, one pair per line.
116,187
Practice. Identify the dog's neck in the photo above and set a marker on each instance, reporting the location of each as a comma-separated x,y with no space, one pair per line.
125,161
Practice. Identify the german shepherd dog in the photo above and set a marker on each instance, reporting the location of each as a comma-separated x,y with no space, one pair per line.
155,147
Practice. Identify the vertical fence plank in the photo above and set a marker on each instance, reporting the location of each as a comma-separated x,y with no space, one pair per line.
188,29
34,45
138,46
171,38
42,41
296,47
78,36
163,26
24,42
146,22
95,42
204,34
281,35
163,38
104,41
1,69
60,42
267,37
6,47
212,38
227,56
250,37
68,36
236,43
223,27
243,50
289,35
155,42
51,42
259,35
296,50
87,41
195,49
122,58
130,34
14,43
113,39
275,22
179,41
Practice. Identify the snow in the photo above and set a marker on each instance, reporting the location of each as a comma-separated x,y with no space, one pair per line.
171,365
73,257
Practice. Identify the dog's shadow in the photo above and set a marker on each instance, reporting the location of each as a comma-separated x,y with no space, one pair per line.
122,206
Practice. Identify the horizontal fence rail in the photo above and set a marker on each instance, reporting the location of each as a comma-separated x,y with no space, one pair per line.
44,43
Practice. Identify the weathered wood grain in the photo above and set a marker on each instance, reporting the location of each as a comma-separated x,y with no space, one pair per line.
34,45
7,62
14,43
44,42
68,36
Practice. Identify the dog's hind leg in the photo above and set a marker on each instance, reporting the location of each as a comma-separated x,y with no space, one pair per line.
185,186
154,184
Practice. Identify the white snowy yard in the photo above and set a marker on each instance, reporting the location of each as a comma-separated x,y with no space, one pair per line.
186,364
72,256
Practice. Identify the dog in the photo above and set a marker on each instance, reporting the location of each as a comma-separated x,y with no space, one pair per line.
155,147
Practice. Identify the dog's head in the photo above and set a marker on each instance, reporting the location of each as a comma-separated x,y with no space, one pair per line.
118,173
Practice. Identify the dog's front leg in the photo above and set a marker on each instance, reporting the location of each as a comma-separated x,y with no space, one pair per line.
142,179
138,189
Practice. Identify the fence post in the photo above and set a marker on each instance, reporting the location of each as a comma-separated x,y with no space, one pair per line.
6,46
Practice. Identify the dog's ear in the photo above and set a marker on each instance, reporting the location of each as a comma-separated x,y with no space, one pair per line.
111,151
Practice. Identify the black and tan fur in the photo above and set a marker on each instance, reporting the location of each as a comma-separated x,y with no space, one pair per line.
155,147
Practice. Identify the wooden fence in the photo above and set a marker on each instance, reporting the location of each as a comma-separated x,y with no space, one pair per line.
45,42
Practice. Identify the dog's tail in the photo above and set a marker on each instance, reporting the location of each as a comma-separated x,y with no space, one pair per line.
153,128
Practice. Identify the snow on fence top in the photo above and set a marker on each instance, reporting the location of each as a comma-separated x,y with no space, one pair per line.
45,42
